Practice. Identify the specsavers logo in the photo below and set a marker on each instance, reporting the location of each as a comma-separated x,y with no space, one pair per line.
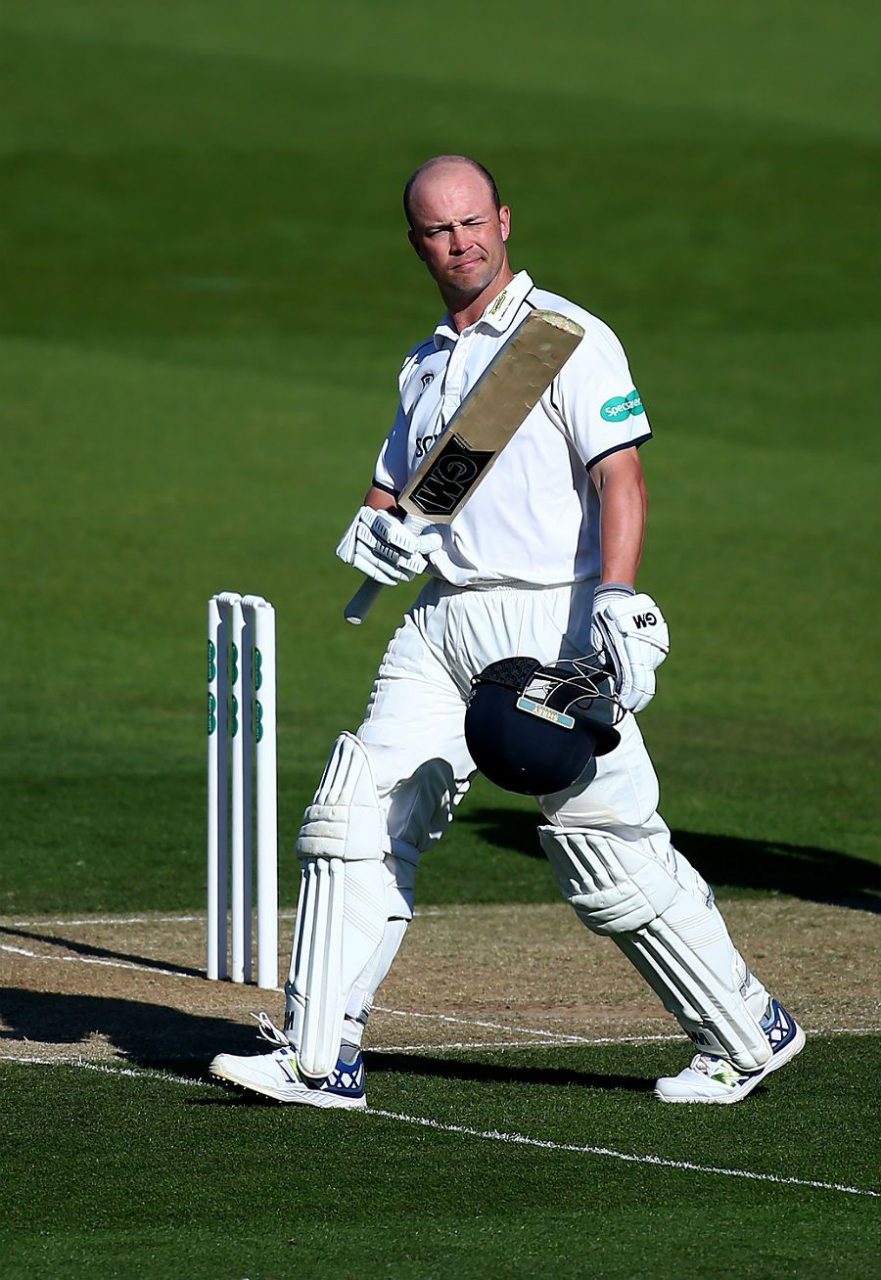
621,407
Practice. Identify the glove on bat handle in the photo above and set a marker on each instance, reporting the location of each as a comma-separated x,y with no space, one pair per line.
368,593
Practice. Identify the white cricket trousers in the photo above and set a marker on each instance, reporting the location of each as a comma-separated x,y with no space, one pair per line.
414,726
414,734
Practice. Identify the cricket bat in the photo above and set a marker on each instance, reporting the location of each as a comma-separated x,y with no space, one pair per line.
464,454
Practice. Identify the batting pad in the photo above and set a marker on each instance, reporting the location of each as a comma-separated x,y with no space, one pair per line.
344,819
662,915
341,912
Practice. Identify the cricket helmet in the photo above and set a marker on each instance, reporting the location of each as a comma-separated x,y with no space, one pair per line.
533,728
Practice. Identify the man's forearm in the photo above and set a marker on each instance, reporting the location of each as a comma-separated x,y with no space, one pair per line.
379,499
622,529
623,508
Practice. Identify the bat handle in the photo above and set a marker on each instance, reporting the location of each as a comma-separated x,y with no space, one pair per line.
362,602
367,594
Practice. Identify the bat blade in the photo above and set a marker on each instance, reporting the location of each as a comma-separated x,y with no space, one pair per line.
500,402
487,419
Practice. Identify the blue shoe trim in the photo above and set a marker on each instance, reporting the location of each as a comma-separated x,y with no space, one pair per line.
779,1026
346,1080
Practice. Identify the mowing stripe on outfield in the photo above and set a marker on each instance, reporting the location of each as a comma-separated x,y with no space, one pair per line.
488,1135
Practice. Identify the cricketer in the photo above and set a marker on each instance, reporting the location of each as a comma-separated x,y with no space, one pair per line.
538,566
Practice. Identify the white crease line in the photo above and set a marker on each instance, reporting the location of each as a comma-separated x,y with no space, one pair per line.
101,1067
549,1037
462,1044
561,1043
496,1135
562,1036
544,1036
520,1139
142,919
841,1031
156,970
597,1040
68,923
110,964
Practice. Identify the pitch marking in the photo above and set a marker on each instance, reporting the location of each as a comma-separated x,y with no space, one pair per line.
107,964
549,1043
546,1037
497,1135
474,1022
140,1073
287,914
520,1139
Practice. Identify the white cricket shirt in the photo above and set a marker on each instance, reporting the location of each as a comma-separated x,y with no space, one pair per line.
535,518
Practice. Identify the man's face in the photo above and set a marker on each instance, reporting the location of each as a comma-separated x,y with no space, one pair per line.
457,231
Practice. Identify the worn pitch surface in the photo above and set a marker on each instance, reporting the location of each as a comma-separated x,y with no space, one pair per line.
471,976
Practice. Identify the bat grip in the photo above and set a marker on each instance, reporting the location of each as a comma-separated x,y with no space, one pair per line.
367,594
362,602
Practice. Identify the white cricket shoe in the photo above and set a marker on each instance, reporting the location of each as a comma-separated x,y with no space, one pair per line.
711,1079
277,1075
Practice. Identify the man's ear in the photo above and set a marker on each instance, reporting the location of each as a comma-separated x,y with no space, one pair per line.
505,221
411,236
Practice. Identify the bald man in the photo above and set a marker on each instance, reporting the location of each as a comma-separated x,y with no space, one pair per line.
542,561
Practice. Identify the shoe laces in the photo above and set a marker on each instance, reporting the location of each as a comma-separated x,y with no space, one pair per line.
269,1031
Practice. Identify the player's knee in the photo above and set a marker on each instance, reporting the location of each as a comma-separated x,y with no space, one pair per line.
421,807
586,807
345,819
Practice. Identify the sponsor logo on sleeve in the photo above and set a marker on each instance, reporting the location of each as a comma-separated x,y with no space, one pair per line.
621,407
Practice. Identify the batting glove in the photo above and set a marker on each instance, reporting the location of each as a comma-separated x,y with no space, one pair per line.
630,632
386,549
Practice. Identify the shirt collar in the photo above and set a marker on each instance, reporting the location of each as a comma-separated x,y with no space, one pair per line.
499,314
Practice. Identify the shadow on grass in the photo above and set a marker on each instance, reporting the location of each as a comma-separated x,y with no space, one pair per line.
500,1072
144,1033
409,1064
161,1037
817,875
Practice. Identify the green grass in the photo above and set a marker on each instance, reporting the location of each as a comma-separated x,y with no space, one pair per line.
204,298
155,1179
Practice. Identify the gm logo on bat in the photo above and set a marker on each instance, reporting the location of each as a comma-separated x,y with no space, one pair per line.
453,473
621,407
